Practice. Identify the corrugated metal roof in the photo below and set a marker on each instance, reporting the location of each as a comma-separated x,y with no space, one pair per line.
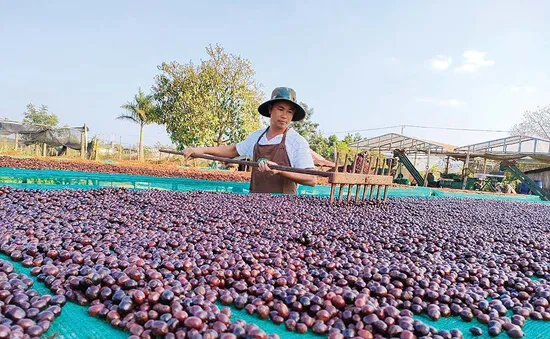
392,141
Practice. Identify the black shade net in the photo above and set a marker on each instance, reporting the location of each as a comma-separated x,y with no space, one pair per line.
69,137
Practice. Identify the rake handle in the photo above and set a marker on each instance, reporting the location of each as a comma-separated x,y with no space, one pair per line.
254,164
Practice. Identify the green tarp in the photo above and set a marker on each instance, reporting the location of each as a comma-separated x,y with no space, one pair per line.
56,179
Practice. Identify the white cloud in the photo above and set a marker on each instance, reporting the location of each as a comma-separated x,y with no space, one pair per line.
440,62
447,102
473,60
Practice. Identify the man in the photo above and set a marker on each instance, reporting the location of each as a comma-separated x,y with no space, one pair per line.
274,145
431,180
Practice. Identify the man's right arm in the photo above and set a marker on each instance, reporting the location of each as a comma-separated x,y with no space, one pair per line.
243,148
229,151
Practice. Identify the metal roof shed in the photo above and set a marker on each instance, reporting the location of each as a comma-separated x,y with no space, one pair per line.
391,141
512,145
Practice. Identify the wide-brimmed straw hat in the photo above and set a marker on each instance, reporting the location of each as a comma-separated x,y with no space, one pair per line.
283,94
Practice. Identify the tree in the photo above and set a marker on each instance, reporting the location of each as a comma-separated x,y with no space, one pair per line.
319,144
342,146
535,123
40,116
306,127
212,103
350,139
140,111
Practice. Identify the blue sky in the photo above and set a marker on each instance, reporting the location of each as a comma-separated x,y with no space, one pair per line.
361,64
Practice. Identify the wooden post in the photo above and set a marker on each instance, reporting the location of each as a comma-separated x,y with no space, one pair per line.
484,165
464,170
120,149
44,149
16,141
447,167
427,169
84,143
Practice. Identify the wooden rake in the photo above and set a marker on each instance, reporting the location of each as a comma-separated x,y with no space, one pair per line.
363,176
359,178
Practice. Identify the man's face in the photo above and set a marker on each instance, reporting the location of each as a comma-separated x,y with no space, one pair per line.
281,114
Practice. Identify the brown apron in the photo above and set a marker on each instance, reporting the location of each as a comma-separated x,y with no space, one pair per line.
264,182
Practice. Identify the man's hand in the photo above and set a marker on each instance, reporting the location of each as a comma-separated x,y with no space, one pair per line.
263,166
191,151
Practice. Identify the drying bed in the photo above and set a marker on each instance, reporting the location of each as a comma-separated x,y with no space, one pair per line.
160,263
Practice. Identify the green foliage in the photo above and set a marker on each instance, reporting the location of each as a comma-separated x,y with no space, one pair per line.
306,128
324,146
435,169
40,116
212,103
142,111
321,145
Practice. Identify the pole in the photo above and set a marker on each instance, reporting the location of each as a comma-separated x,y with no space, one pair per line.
84,142
120,149
484,165
447,167
465,170
111,151
16,141
427,169
254,164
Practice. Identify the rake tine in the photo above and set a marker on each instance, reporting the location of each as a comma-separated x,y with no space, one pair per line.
378,192
375,170
385,192
350,186
365,187
371,191
342,186
355,163
333,186
345,162
364,192
357,189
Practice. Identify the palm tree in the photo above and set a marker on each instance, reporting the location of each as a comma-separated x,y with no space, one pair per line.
140,111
